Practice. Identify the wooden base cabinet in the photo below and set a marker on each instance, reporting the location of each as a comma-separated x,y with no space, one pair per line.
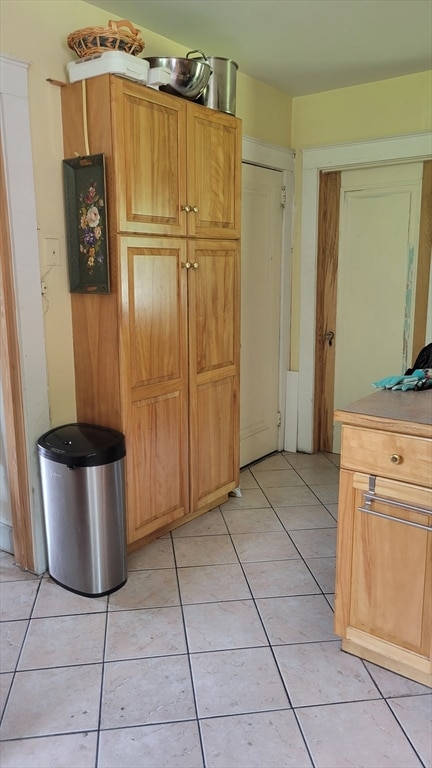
158,358
214,345
383,606
179,376
153,369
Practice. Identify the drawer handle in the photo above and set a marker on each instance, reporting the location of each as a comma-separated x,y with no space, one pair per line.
396,459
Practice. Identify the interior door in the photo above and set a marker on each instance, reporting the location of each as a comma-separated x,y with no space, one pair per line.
260,312
371,294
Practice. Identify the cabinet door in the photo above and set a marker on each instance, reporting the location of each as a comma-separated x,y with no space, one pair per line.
154,382
213,173
213,295
385,571
150,140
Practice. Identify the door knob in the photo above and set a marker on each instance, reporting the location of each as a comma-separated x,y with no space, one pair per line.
186,208
195,265
329,336
186,265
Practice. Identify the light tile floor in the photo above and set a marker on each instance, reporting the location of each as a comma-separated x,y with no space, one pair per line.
218,653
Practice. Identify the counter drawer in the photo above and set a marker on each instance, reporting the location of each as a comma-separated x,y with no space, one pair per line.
401,457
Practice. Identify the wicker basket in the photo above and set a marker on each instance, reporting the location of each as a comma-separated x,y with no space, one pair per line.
92,40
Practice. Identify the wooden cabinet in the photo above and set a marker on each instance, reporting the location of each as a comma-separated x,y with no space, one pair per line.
154,380
213,307
177,165
383,608
179,368
158,358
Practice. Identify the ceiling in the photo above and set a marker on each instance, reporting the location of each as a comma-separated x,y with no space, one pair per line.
296,46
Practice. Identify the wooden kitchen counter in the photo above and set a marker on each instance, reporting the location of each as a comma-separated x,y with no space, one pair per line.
383,605
409,412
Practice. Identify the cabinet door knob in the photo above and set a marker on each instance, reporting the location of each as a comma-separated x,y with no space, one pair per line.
186,265
396,459
195,265
186,208
195,209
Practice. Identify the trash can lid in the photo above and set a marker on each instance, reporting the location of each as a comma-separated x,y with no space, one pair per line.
82,445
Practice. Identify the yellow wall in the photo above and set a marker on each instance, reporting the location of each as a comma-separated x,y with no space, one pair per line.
265,112
394,107
35,31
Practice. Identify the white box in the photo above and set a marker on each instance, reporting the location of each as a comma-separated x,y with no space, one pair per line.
109,62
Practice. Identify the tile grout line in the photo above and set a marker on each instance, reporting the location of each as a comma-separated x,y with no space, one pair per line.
385,699
285,686
102,684
197,719
293,542
270,645
14,673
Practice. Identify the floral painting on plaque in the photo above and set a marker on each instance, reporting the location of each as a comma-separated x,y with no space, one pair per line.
86,224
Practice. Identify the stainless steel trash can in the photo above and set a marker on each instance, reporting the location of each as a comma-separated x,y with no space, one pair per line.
82,474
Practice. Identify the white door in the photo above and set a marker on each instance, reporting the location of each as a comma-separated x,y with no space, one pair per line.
260,311
378,244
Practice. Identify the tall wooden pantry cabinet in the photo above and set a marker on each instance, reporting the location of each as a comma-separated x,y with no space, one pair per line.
158,357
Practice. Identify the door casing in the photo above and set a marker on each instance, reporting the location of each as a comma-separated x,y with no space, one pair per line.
261,252
281,159
332,158
27,346
328,268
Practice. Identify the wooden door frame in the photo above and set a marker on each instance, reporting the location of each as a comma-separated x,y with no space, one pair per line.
12,387
423,262
327,270
279,158
24,374
326,303
354,155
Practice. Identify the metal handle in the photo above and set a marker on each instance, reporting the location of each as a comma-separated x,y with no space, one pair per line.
396,459
186,208
197,50
195,209
329,336
189,265
369,498
396,519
